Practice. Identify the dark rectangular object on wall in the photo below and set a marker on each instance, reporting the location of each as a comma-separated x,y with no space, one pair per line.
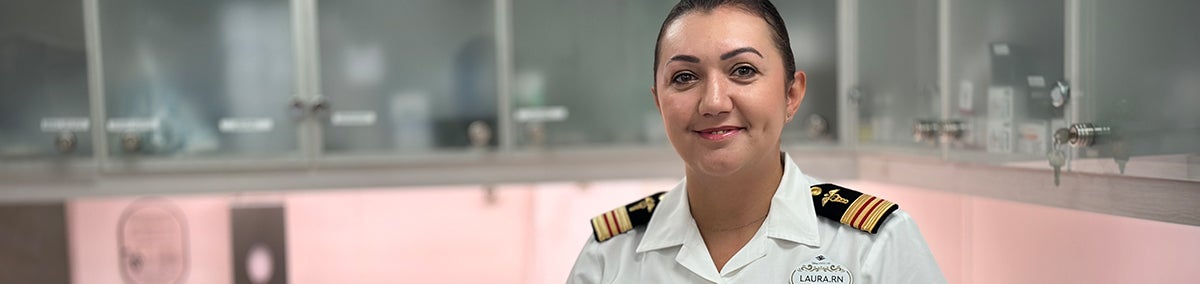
259,244
33,244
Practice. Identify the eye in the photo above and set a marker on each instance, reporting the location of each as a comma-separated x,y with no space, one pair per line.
744,71
684,78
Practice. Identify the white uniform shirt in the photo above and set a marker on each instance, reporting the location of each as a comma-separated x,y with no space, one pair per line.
670,250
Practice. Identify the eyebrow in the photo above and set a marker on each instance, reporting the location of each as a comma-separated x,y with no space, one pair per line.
726,56
685,58
735,52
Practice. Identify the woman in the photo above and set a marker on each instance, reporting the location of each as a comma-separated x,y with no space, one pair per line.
726,84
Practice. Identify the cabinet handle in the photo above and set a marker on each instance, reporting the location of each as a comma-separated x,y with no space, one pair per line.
298,108
1081,134
301,108
931,130
1060,94
131,142
854,96
816,126
320,106
952,131
65,142
925,131
479,133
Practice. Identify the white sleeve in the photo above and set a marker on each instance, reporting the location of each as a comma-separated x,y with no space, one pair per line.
900,255
589,267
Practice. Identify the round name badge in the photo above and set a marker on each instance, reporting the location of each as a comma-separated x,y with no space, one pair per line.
821,270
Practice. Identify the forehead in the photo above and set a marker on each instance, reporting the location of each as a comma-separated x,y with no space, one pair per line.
720,30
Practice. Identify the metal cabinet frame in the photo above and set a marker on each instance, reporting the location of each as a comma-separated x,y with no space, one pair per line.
103,175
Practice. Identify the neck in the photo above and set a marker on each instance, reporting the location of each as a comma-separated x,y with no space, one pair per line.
732,202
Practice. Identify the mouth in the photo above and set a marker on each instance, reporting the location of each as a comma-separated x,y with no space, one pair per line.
719,133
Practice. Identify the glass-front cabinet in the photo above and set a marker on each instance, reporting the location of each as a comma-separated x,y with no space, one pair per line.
812,30
1098,87
1004,59
581,73
1136,90
406,77
1005,65
197,79
45,118
1103,87
893,88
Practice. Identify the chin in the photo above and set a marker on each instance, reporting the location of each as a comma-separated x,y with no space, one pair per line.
718,165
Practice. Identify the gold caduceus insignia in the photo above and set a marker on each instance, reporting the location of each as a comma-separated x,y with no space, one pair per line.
833,196
647,204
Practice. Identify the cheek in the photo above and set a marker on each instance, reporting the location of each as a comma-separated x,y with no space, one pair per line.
677,109
766,106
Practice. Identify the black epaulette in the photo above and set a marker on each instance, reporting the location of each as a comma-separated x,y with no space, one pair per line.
624,218
858,210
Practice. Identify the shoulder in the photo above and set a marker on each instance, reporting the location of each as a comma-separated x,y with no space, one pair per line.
625,218
615,238
849,207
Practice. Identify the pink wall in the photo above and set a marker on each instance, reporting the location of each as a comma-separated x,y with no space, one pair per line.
982,241
528,234
532,234
429,235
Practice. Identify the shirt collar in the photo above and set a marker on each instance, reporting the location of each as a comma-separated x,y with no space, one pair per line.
791,217
672,223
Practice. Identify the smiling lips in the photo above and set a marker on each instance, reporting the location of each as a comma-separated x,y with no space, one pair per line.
719,133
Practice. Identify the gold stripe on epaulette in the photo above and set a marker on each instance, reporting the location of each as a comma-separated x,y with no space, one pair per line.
611,223
849,214
864,213
622,217
869,210
876,215
600,226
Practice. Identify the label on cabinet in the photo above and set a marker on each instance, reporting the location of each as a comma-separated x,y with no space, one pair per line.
245,125
1000,49
541,114
133,124
1000,103
1036,81
966,97
999,137
65,124
353,118
1032,137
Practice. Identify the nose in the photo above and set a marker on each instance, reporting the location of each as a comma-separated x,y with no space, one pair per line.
716,100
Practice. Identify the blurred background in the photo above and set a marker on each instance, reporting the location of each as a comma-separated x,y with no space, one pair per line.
447,141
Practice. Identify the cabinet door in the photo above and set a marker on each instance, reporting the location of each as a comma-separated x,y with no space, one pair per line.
582,72
1137,77
1004,60
406,76
198,78
812,30
43,82
895,89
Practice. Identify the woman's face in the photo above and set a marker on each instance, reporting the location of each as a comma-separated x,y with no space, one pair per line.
721,89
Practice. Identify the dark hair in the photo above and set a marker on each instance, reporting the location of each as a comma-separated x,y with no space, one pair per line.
762,8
